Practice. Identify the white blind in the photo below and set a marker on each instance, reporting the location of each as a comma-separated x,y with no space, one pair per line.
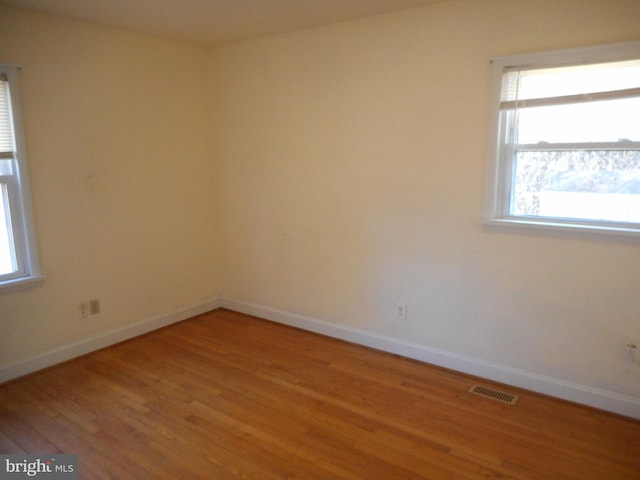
574,84
6,131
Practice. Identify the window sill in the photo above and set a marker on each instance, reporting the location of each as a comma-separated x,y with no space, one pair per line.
551,227
22,283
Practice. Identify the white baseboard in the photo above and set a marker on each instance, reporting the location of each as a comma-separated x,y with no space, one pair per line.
585,395
82,347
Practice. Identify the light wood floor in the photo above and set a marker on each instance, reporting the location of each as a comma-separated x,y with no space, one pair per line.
225,395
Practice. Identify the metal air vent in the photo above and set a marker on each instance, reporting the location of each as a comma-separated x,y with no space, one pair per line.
492,394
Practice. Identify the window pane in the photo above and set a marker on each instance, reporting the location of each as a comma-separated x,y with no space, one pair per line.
588,185
7,257
606,121
6,167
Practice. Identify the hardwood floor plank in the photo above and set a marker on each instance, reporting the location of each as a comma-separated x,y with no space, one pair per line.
226,395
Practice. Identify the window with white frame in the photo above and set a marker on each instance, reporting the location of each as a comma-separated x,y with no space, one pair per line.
18,253
565,140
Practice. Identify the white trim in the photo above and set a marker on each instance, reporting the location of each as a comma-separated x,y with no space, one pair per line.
24,229
22,283
569,99
528,225
571,56
583,394
82,347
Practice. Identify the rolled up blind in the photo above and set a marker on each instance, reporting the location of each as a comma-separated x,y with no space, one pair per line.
6,131
535,87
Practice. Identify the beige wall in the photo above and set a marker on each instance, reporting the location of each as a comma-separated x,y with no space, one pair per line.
353,159
336,171
116,130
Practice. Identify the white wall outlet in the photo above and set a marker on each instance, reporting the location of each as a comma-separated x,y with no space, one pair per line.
83,309
401,311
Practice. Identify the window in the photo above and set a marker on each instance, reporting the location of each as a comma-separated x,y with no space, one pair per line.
18,254
565,140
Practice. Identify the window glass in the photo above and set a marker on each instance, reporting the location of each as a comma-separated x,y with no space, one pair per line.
603,121
7,258
595,185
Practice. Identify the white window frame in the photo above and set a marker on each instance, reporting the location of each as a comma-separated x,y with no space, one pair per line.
500,173
19,196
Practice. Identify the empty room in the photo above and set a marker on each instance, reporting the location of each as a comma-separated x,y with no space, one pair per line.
320,239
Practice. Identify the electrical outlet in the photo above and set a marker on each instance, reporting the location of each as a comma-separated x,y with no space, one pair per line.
631,354
94,306
88,307
401,311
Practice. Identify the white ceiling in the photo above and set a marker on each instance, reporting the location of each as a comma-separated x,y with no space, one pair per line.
216,22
